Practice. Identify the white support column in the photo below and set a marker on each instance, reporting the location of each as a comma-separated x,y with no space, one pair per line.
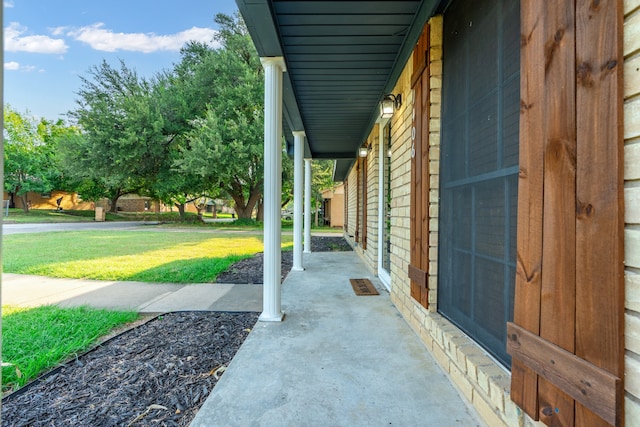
298,184
307,206
273,69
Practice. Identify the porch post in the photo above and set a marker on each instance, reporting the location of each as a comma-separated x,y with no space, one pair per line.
273,69
298,181
307,206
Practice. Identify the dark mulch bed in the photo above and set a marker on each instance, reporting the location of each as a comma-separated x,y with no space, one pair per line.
158,374
250,270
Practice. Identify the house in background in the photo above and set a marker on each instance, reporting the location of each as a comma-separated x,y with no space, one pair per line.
333,206
70,201
496,198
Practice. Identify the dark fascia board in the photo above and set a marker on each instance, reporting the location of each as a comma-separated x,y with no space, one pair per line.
259,19
260,23
425,11
341,169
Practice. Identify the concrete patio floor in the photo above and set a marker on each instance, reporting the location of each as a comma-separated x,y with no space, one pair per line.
337,359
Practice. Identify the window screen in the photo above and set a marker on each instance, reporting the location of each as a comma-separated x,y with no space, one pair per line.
479,168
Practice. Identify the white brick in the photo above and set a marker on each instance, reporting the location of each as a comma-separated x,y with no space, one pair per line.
629,6
632,291
632,161
632,332
632,205
631,34
632,248
631,411
632,375
632,77
632,117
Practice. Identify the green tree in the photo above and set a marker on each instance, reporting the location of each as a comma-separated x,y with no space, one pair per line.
123,145
181,101
225,144
29,155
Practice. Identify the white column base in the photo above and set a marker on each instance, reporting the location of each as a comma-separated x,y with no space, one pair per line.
297,268
278,317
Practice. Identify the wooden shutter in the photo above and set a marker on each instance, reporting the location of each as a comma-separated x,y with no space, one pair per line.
419,221
567,339
358,205
346,206
363,196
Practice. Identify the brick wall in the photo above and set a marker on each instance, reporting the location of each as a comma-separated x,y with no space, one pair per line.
632,207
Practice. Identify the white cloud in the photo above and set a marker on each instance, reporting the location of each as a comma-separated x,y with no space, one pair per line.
14,41
106,40
8,3
58,31
15,66
11,66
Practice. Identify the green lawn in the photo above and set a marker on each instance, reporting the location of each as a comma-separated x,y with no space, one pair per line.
146,256
35,340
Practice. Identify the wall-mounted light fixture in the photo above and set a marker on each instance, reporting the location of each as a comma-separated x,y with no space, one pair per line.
389,104
363,151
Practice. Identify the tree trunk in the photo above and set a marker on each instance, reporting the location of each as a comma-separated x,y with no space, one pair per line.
214,212
200,210
24,198
114,203
317,211
180,207
244,210
260,211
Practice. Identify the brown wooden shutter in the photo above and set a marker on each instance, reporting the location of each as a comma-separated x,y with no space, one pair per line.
419,210
357,211
363,185
567,339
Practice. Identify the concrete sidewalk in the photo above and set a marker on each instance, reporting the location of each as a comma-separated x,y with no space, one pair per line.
337,359
29,291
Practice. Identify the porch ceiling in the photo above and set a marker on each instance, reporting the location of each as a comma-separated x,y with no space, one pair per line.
341,58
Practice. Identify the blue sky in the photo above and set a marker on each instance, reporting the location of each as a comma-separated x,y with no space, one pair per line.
50,43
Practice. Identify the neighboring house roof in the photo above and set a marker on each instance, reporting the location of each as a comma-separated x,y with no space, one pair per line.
342,57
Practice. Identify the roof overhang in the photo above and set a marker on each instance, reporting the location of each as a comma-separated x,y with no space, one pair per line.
341,57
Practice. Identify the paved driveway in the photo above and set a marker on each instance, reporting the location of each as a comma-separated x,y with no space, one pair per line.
74,226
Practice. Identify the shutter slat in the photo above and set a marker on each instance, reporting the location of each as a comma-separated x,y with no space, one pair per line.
600,222
557,310
418,276
524,382
588,384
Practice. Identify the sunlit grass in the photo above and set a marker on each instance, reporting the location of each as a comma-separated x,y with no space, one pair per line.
170,257
37,339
